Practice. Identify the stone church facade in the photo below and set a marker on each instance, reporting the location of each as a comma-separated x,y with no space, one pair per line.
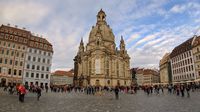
100,63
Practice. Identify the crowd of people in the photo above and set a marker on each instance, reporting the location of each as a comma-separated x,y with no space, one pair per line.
178,89
21,90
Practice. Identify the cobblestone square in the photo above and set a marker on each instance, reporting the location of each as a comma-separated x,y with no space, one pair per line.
80,102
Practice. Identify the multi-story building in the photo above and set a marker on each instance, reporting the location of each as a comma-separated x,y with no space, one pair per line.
196,56
38,62
165,69
147,77
182,62
61,78
150,77
139,77
15,44
100,63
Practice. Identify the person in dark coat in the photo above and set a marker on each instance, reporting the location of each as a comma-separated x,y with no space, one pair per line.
38,90
117,92
188,90
182,89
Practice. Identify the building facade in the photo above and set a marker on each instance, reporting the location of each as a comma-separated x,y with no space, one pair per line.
37,69
196,56
182,62
14,46
100,63
62,78
164,65
139,77
147,77
150,77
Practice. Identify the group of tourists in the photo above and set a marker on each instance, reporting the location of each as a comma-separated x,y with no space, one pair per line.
178,89
21,90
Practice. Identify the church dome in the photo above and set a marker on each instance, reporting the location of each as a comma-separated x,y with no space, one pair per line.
101,29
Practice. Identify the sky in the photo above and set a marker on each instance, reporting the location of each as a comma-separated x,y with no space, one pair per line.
150,28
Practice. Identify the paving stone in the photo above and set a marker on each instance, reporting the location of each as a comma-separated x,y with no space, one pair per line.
80,102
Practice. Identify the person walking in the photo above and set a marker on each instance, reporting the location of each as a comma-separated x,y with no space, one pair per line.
117,92
47,88
188,90
22,92
38,90
182,89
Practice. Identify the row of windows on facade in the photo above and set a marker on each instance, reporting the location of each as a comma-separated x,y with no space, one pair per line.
11,31
12,45
37,75
39,45
182,63
36,83
37,68
7,61
182,77
24,40
11,53
14,38
38,59
9,72
39,52
183,70
182,56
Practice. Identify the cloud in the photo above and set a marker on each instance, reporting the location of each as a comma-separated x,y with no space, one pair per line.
191,7
145,39
150,54
178,9
147,33
132,37
23,12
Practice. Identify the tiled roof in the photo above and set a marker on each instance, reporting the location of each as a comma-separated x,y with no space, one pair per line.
15,33
63,73
185,46
140,71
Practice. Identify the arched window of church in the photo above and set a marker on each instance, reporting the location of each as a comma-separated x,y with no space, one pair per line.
107,67
98,42
97,82
90,69
117,69
97,66
108,82
124,68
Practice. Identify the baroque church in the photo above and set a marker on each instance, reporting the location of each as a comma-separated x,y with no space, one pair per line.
100,62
